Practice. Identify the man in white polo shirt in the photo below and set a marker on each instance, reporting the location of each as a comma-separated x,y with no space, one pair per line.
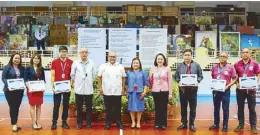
83,74
111,83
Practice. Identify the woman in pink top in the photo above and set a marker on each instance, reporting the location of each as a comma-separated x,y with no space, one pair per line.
160,80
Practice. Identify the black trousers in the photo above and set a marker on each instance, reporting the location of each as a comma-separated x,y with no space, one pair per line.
188,96
161,103
87,101
57,100
223,97
40,43
251,99
14,100
112,108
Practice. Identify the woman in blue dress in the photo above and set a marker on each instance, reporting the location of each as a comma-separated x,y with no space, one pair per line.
136,83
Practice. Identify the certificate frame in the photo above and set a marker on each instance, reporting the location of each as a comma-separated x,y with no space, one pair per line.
218,85
16,84
248,82
59,86
188,80
37,86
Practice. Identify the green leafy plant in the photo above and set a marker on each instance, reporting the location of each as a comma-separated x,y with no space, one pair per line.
175,93
149,104
124,106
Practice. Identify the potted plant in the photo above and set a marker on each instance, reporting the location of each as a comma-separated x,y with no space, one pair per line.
149,108
124,109
175,98
97,107
72,105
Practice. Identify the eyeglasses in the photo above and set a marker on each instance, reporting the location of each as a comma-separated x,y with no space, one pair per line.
112,56
222,56
84,52
245,52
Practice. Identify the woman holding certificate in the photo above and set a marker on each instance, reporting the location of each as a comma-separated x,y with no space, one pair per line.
35,72
13,79
160,80
137,82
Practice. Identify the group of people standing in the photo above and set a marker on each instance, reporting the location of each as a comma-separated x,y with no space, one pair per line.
113,82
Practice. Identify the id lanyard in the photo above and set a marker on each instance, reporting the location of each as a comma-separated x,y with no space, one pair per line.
17,72
135,81
84,65
245,69
63,69
220,70
244,74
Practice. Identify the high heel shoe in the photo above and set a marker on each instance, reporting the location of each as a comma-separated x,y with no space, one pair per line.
34,127
38,126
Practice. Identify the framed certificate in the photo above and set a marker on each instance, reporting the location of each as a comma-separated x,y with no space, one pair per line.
248,82
62,86
188,80
218,85
15,84
36,86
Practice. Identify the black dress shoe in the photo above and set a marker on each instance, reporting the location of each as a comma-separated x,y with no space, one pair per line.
79,127
192,128
225,129
89,126
253,130
19,128
214,127
239,128
65,125
53,127
183,126
133,127
156,127
119,125
107,127
164,127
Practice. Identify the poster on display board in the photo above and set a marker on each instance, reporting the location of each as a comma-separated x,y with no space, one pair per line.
17,42
181,42
227,28
249,41
152,42
206,43
8,19
230,42
73,33
95,40
123,42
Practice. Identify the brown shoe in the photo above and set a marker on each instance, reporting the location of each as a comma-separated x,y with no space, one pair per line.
239,128
254,130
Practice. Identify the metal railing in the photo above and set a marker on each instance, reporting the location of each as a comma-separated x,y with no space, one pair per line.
102,13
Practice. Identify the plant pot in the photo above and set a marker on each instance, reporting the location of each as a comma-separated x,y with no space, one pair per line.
125,118
170,110
102,116
150,116
72,110
94,117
